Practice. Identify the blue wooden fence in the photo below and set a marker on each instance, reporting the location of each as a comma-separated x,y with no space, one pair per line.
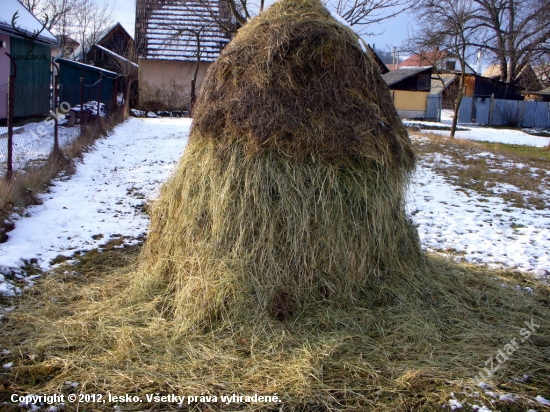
433,107
499,112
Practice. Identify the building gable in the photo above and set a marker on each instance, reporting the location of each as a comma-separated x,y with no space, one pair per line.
167,30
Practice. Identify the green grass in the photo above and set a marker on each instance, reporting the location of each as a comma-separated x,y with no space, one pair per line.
526,152
524,167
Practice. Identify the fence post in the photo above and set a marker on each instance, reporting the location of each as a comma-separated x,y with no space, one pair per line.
11,108
491,108
56,149
81,104
114,101
99,120
522,118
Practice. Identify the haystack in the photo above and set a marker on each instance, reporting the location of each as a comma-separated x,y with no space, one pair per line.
291,188
287,204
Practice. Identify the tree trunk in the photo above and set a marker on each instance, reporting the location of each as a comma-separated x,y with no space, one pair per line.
193,92
127,89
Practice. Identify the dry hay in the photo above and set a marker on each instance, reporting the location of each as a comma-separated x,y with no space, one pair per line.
291,188
282,265
406,349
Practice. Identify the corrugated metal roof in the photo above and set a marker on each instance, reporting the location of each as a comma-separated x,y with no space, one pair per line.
170,29
26,21
115,55
440,82
403,73
107,73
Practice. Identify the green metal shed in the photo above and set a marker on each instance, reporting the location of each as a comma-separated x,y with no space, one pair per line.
98,84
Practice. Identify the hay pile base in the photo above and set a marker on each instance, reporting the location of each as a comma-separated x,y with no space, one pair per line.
280,259
407,351
242,236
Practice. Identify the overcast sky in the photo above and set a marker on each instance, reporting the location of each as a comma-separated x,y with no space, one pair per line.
393,32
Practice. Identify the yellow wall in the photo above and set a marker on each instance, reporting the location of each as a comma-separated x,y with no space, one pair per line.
165,84
405,100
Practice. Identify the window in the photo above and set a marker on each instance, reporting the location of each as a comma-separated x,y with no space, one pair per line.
450,65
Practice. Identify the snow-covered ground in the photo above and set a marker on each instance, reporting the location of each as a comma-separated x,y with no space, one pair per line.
487,134
32,142
481,133
103,199
480,229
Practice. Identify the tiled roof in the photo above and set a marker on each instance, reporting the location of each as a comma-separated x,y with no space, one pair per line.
428,58
170,31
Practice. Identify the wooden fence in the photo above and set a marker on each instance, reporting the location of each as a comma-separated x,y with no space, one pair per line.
497,112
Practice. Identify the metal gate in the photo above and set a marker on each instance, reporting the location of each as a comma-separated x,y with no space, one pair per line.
433,107
465,110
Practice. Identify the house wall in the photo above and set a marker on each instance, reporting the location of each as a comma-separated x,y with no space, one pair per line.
410,104
32,90
4,76
166,84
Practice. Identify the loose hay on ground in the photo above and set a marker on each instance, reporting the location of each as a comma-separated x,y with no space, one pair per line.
409,349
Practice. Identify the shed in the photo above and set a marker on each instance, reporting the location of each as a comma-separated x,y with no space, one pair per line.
481,86
410,87
539,96
114,38
97,83
445,86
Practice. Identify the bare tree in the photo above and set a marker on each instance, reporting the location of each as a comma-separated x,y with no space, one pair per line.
198,53
83,19
541,65
448,27
364,13
34,6
91,19
54,11
515,32
232,14
191,38
122,59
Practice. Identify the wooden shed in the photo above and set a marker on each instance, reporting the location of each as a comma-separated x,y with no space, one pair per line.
97,84
410,87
